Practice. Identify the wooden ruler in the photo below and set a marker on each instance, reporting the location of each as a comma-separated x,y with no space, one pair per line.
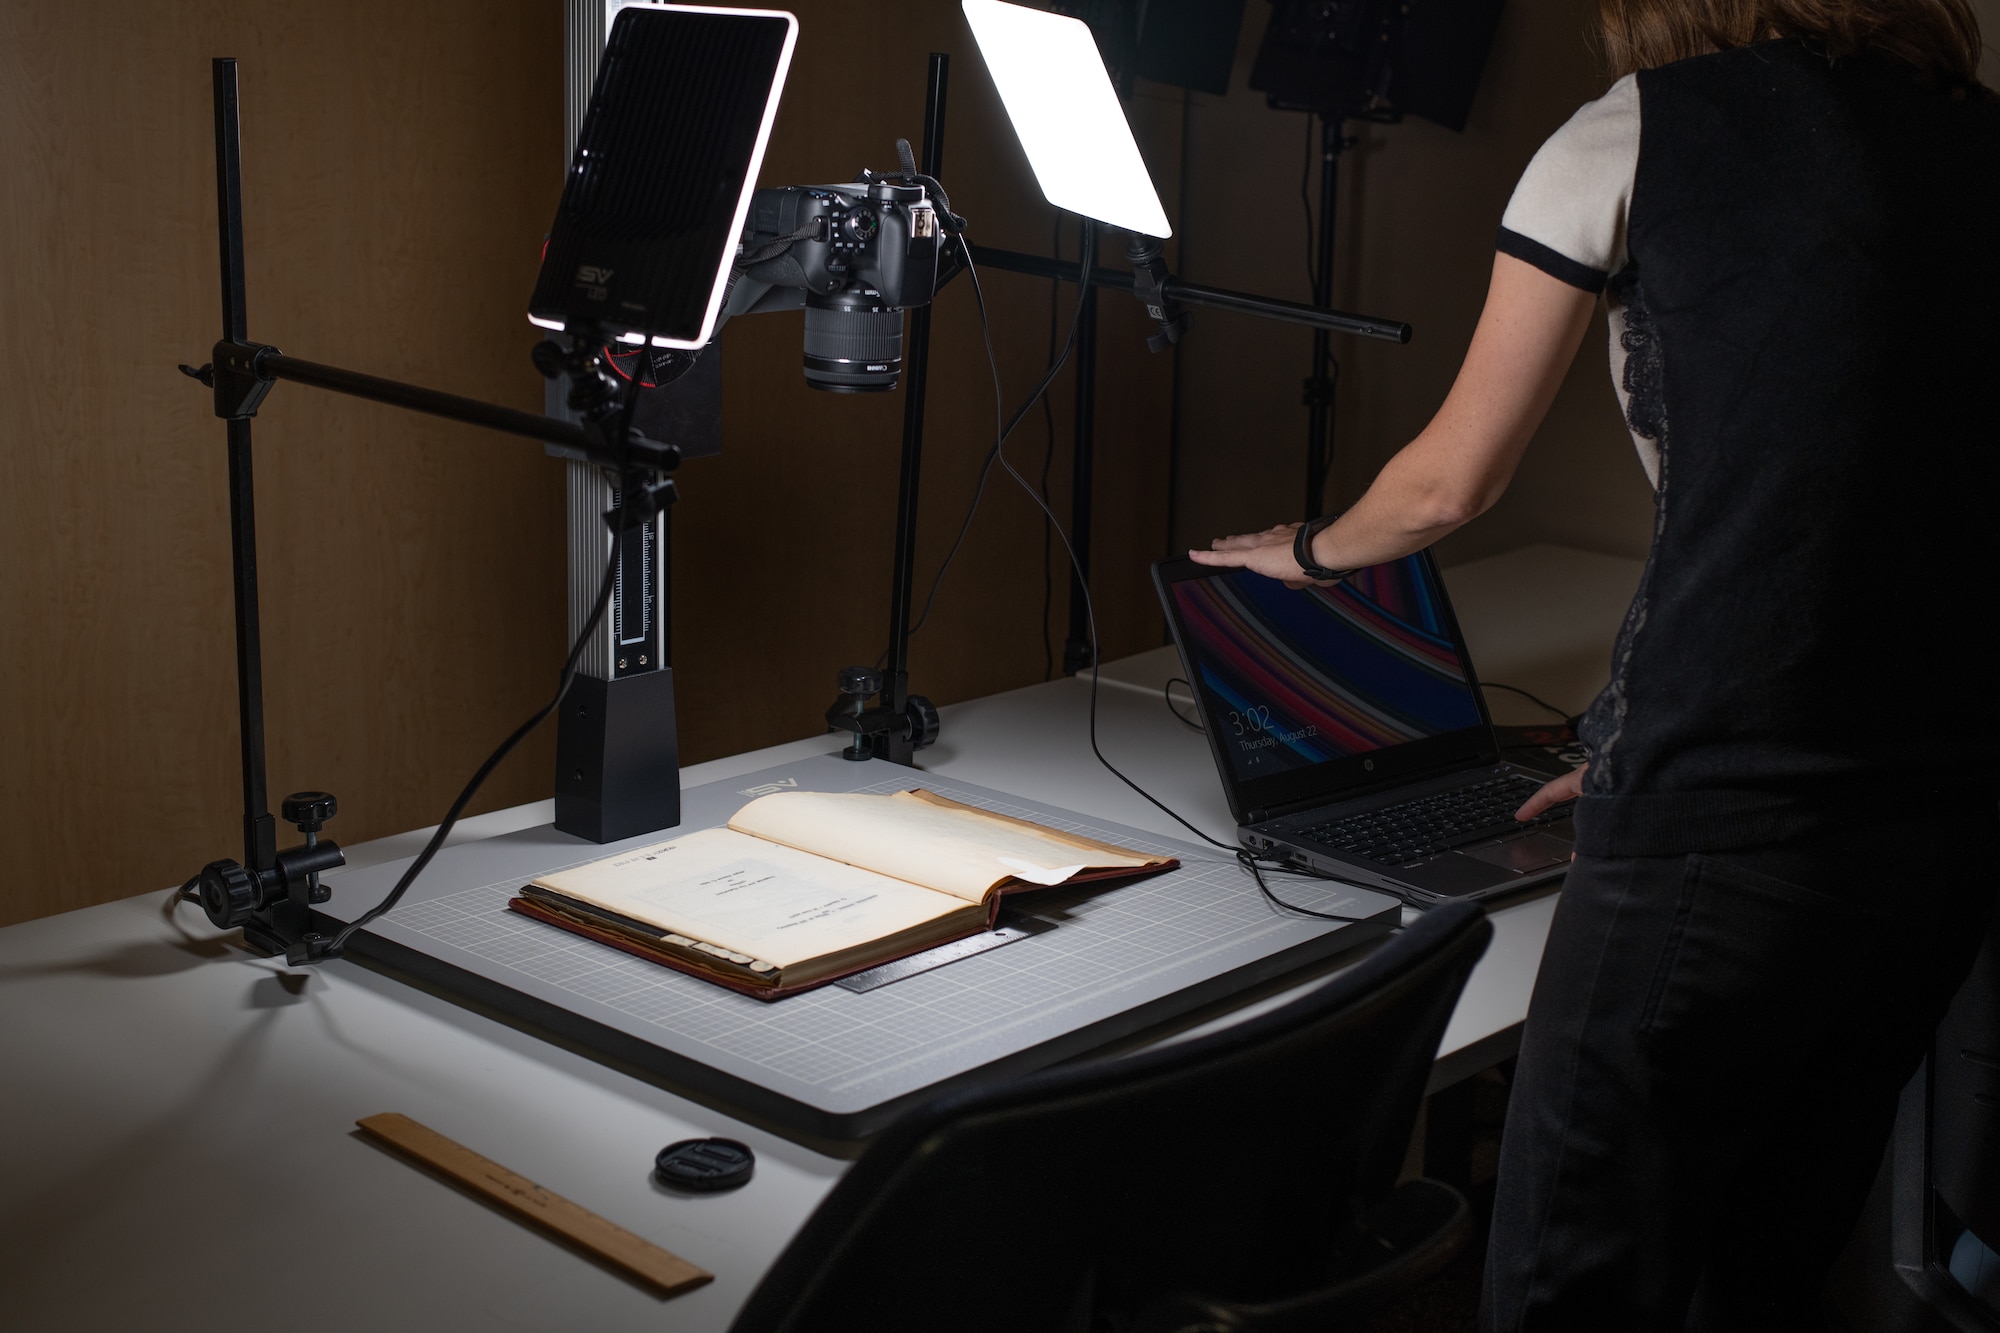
661,1269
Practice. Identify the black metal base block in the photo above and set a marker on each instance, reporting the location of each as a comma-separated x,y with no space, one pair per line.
618,758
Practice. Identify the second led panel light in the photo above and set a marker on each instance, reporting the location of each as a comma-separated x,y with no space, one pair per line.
1065,111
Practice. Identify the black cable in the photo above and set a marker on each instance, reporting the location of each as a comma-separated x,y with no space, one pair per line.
1252,864
986,467
1516,689
1242,855
1167,693
416,867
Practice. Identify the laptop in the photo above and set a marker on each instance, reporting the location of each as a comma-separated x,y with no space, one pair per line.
1350,733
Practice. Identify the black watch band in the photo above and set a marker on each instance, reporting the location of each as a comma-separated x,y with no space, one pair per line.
1302,551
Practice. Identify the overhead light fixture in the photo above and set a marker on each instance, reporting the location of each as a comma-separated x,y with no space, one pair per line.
1059,97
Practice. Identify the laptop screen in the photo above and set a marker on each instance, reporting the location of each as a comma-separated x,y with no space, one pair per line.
1309,692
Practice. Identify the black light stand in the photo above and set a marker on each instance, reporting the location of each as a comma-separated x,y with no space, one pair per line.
897,723
1322,387
1323,321
1374,61
271,894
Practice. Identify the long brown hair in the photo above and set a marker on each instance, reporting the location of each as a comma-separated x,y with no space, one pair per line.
1939,37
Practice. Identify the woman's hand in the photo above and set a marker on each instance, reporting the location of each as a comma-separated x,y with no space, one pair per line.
1268,553
1565,788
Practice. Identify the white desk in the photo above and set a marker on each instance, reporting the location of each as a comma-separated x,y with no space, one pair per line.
176,1146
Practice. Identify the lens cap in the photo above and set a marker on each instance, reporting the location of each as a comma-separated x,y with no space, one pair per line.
704,1166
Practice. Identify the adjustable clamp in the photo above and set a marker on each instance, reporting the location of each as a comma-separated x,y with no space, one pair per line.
237,376
1321,390
916,722
1149,283
274,904
643,466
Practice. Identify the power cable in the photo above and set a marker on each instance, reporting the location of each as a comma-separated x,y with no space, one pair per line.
1534,699
416,867
986,465
1243,856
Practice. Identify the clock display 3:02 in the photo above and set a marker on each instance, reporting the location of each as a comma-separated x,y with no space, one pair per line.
1253,730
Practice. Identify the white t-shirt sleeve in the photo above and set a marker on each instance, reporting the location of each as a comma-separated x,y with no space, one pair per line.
1567,216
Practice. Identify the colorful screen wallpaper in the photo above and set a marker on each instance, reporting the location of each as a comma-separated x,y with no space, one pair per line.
1296,678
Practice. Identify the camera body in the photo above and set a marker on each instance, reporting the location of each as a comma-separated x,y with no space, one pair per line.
855,256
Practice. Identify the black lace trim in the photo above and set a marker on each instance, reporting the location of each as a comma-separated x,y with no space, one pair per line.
1645,364
1646,412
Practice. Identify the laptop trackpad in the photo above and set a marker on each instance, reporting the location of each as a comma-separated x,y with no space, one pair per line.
1536,851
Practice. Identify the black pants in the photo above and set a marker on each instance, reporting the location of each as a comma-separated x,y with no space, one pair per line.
1710,1069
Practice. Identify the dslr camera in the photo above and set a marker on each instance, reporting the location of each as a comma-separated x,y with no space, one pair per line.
855,256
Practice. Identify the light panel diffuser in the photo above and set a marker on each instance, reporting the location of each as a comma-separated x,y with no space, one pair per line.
1064,110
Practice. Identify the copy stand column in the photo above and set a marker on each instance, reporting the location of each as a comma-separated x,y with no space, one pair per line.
617,752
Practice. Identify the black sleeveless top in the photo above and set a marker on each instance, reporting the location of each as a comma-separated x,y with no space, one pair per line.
1804,284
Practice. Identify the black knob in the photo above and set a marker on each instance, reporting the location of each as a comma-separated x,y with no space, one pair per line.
923,716
309,810
550,358
860,680
228,894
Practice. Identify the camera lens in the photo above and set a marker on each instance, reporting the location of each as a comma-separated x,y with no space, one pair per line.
854,343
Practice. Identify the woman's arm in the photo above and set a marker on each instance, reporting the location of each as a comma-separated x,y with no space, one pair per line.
1454,471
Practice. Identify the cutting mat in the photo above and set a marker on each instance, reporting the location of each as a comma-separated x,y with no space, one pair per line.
834,1062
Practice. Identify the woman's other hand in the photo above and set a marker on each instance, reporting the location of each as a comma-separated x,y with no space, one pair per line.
1565,788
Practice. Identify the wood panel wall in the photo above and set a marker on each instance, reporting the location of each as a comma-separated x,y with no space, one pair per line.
401,165
398,164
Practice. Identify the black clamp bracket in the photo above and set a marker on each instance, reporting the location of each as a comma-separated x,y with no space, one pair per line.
274,904
1321,390
643,468
238,377
1147,255
914,725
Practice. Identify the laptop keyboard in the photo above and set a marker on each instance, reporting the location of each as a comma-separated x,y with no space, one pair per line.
1416,830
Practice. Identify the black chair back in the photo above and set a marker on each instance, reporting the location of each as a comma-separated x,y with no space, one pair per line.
1241,1165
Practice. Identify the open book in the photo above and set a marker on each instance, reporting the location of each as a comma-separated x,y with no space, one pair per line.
803,888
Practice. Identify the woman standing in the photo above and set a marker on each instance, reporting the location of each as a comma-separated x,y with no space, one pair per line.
1787,835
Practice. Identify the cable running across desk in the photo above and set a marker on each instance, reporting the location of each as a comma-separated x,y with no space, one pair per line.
520,733
568,678
999,452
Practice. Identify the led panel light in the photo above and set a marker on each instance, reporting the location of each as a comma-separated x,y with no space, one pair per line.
665,166
1066,114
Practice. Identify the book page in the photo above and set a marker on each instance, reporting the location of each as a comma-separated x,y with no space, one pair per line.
757,897
946,847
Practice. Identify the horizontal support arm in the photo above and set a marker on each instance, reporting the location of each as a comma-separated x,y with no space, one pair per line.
471,411
1191,293
243,372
